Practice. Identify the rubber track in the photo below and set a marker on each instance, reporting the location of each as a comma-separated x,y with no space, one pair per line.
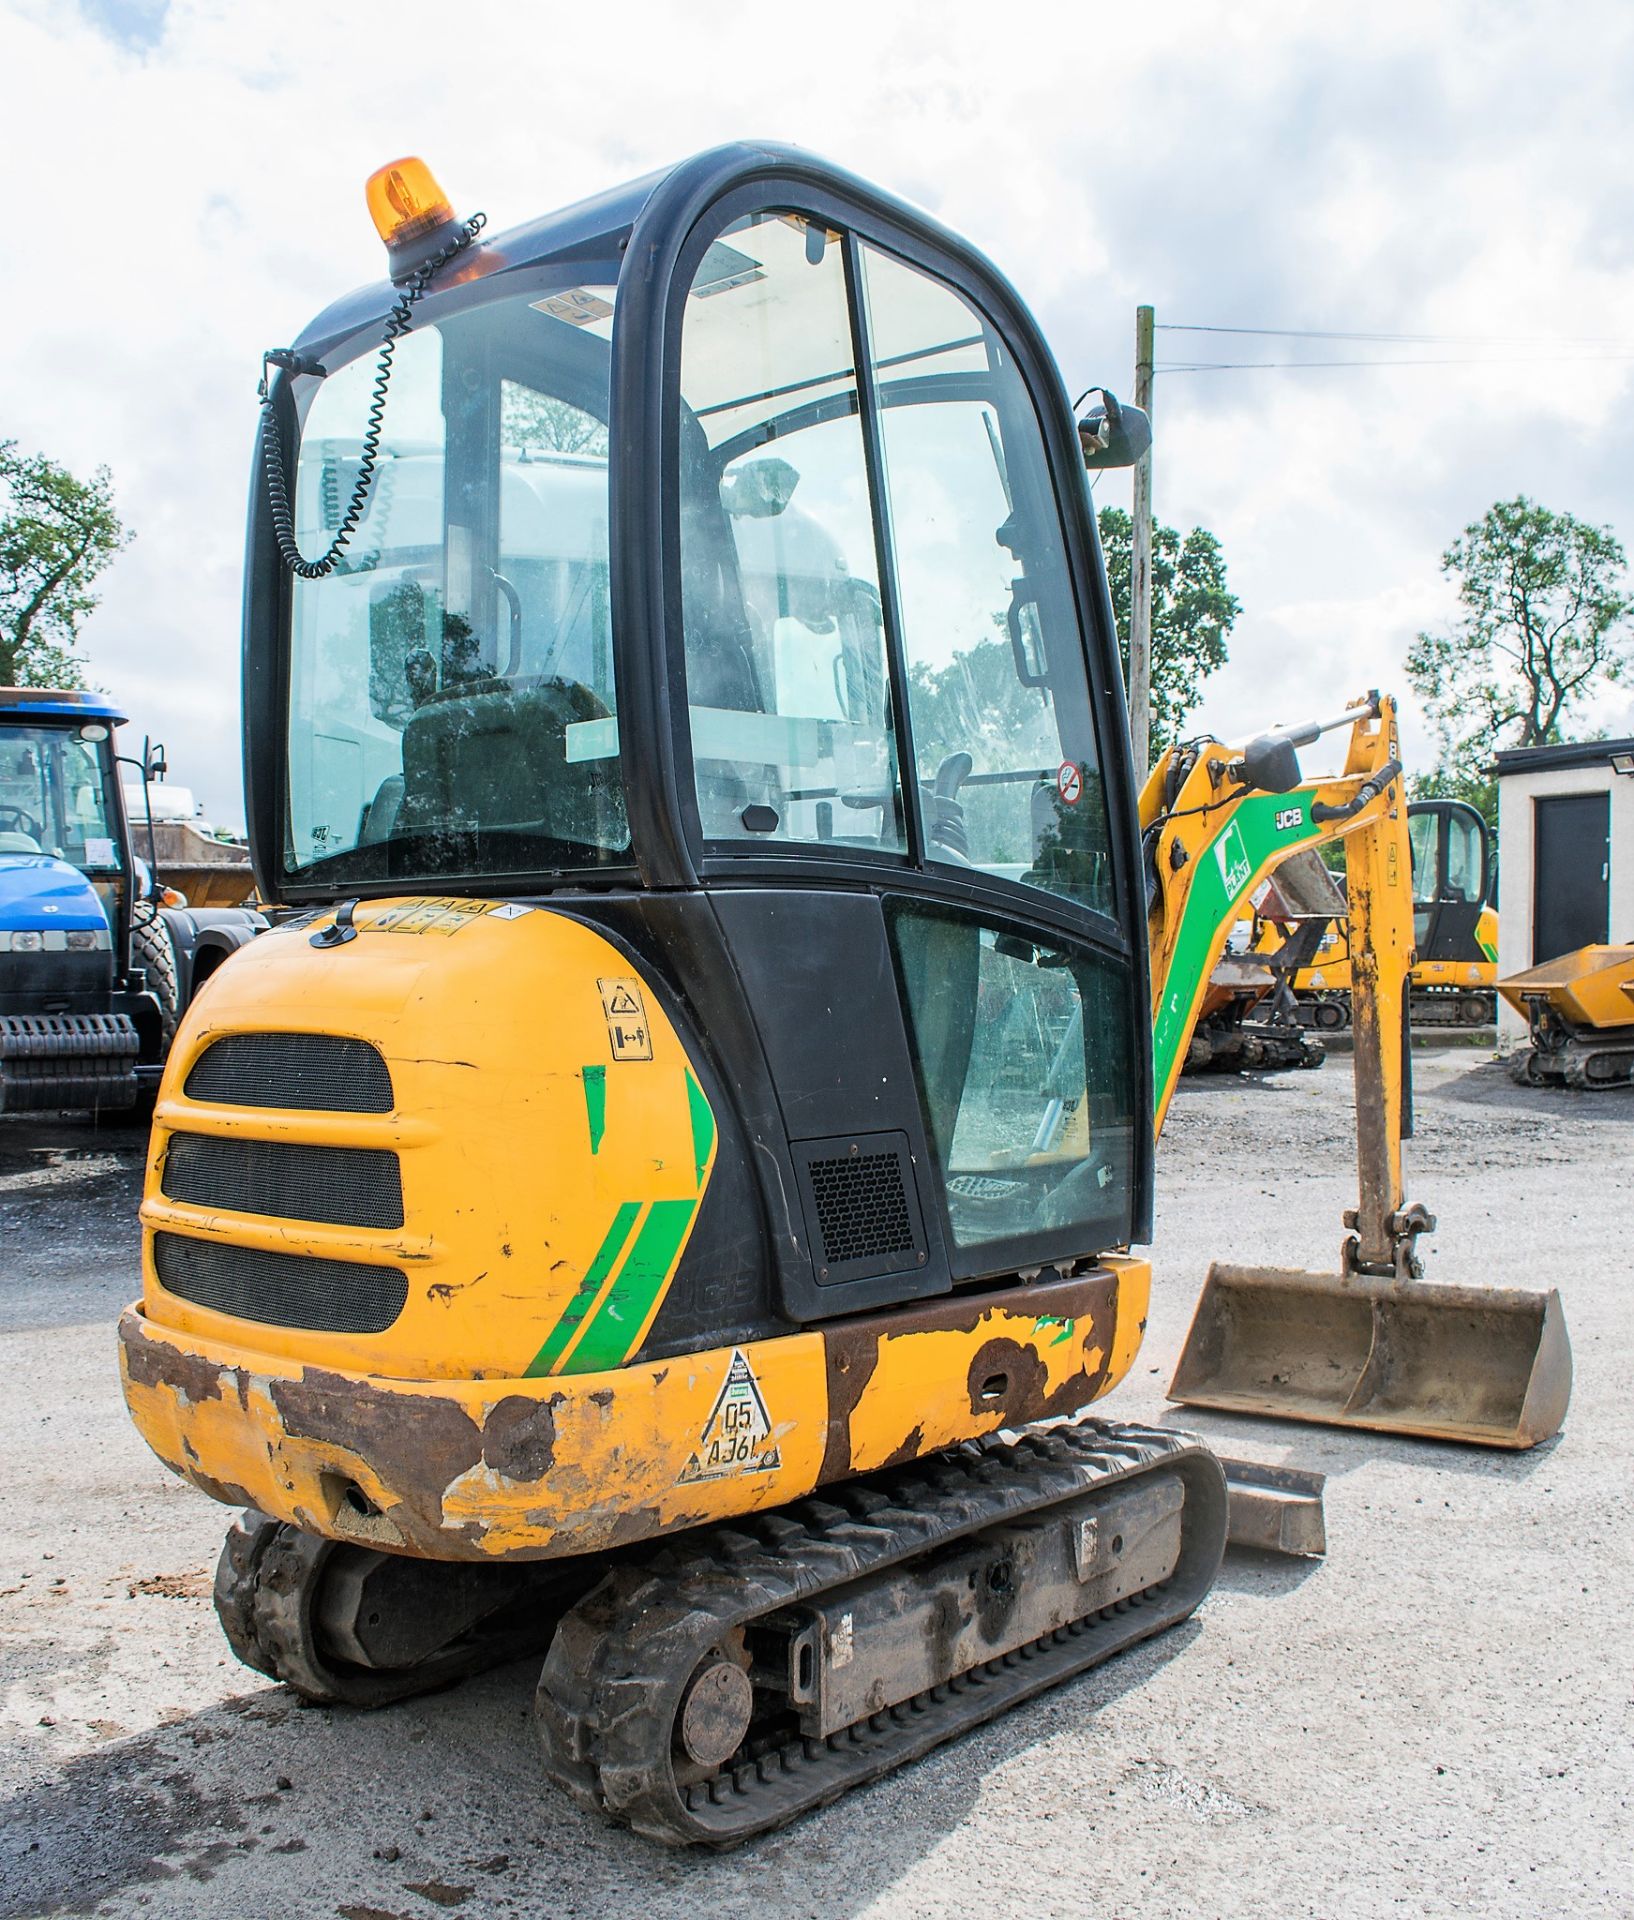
615,1674
266,1583
1568,1065
1441,1008
1576,1057
1449,1006
247,1540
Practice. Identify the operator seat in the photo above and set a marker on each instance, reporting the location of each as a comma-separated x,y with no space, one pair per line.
490,755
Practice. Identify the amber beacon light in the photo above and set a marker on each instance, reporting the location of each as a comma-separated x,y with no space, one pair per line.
410,211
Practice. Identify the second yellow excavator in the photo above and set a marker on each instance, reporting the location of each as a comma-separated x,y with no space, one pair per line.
1455,930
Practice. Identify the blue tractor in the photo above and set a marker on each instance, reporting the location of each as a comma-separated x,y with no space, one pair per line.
96,961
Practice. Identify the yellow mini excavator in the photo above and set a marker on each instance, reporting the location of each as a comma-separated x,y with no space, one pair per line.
664,1192
1455,929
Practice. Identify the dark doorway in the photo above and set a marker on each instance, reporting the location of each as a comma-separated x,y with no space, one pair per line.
1571,855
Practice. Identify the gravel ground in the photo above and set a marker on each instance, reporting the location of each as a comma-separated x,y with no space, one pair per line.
1436,1720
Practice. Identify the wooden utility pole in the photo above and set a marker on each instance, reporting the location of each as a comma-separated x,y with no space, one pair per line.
1140,587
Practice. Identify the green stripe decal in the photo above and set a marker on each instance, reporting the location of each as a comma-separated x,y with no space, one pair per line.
703,1129
612,1335
1226,867
565,1328
595,1103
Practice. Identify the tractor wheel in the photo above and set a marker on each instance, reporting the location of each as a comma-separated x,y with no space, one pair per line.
152,951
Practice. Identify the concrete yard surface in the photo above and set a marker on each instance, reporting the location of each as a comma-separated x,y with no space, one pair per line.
1436,1720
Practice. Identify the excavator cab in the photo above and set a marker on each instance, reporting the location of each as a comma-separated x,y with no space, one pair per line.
1451,885
755,592
1455,919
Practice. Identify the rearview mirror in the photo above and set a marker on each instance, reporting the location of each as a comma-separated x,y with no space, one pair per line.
1113,435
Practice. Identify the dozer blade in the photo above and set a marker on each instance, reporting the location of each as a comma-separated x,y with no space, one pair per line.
1491,1366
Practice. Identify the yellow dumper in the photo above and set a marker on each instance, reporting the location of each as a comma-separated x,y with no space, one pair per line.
1580,1011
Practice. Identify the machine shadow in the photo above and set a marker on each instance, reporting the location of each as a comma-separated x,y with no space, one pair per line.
1247,1570
313,1810
1489,1085
1339,1451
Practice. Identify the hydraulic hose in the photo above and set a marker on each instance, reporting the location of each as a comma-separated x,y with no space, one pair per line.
1368,791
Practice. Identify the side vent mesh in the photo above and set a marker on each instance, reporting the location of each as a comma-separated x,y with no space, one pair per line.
344,1186
861,1209
280,1289
315,1071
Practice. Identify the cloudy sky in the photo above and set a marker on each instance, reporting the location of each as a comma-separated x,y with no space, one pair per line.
185,188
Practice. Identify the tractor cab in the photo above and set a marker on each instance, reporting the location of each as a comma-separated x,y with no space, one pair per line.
64,870
727,574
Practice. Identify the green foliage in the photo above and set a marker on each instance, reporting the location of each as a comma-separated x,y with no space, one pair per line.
977,704
1458,783
57,534
537,423
1193,614
1541,626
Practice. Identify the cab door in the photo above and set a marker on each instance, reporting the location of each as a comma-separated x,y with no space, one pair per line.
897,782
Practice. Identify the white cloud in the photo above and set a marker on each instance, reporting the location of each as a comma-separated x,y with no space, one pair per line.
185,188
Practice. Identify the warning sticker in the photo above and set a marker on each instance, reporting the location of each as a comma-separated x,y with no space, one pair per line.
628,1033
579,307
1069,782
737,1435
429,916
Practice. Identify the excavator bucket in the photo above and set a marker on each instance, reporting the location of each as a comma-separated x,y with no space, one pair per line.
1490,1366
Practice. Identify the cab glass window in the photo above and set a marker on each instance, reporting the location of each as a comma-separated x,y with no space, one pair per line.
1424,842
54,786
788,692
451,695
1026,1077
997,692
1463,859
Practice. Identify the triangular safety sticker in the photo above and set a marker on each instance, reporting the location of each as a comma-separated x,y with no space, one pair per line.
737,1437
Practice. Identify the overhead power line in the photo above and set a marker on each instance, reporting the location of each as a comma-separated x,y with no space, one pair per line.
1407,339
1449,360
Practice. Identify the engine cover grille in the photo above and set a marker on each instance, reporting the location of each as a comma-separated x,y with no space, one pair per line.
315,1071
861,1208
344,1186
280,1289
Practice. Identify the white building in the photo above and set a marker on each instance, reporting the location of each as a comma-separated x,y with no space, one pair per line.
1566,856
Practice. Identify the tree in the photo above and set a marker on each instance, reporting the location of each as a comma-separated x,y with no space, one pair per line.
1193,614
537,423
1542,626
57,534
